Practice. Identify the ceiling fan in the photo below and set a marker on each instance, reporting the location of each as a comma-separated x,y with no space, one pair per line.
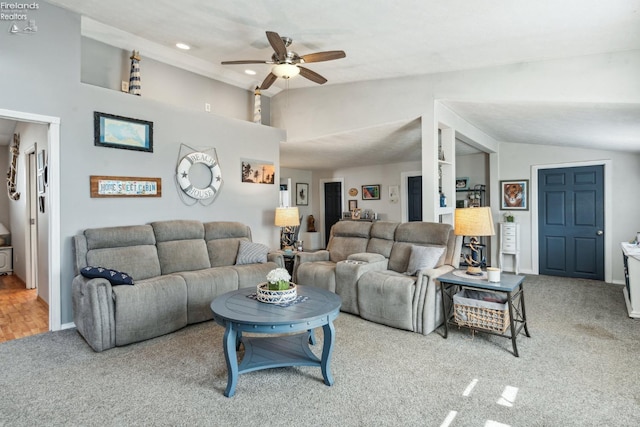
287,62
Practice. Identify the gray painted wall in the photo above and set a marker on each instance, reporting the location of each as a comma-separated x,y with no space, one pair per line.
46,80
107,66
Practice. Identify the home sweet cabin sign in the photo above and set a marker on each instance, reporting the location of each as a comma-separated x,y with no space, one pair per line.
125,186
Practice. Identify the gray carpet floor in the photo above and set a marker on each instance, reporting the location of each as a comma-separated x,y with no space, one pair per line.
579,368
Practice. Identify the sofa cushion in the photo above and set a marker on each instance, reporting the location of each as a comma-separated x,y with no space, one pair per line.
115,237
424,257
180,229
203,286
141,262
183,255
251,253
223,240
321,274
151,308
382,235
387,297
253,274
127,248
113,276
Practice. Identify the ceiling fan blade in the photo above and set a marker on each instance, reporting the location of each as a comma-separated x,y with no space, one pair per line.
245,61
277,44
268,81
329,55
312,75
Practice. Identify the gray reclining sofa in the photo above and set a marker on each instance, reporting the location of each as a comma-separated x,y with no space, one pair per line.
178,268
385,271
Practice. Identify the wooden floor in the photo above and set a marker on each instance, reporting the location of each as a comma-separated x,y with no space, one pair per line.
21,312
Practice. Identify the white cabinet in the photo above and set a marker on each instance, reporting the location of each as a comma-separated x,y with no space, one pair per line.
631,257
510,243
6,259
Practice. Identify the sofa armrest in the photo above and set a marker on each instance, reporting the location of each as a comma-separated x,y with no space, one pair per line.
93,312
276,257
302,257
366,257
427,301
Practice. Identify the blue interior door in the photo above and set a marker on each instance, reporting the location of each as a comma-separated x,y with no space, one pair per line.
571,222
332,207
414,199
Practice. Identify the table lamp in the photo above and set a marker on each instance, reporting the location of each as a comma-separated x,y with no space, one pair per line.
287,218
474,222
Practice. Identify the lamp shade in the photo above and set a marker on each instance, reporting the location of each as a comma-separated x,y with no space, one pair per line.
287,217
285,71
474,222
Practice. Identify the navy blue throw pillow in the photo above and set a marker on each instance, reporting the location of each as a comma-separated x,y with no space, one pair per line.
113,276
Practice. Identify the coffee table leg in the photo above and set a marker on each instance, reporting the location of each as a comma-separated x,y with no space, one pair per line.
230,355
327,350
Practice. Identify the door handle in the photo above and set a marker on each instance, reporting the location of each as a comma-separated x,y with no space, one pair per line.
599,233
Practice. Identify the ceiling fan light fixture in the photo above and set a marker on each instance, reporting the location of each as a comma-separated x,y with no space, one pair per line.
285,71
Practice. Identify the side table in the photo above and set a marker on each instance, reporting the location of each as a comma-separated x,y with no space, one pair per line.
510,285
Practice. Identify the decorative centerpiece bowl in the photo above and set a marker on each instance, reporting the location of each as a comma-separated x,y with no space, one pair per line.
278,289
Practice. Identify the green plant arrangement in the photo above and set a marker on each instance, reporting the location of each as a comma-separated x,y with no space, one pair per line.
278,279
508,217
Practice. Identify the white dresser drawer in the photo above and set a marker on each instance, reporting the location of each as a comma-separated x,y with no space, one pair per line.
509,247
509,231
509,239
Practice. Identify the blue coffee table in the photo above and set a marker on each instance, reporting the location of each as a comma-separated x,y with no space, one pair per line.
239,313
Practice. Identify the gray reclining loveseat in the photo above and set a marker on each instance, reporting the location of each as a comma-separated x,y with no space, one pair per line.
385,271
178,268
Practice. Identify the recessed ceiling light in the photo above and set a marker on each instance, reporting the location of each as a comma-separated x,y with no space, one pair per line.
183,46
250,72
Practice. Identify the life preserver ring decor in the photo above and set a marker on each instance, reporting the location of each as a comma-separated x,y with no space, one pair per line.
182,176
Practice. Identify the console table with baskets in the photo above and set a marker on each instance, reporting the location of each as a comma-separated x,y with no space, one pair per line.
505,318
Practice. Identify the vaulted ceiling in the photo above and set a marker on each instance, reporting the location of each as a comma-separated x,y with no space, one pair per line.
390,40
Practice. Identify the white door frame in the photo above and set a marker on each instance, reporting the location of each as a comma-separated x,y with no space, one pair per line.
31,254
53,124
608,212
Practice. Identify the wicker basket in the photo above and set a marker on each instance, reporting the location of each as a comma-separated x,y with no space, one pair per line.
263,294
471,309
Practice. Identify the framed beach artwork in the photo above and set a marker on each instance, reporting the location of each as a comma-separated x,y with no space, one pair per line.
122,132
371,192
258,171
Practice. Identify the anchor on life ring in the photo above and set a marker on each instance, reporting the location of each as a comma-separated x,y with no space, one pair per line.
182,176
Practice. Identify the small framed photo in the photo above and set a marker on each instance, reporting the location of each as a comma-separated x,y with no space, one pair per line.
41,161
122,132
355,214
41,182
462,183
353,204
514,195
371,192
302,194
346,215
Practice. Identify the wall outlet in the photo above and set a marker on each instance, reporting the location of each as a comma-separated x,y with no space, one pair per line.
207,107
125,86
